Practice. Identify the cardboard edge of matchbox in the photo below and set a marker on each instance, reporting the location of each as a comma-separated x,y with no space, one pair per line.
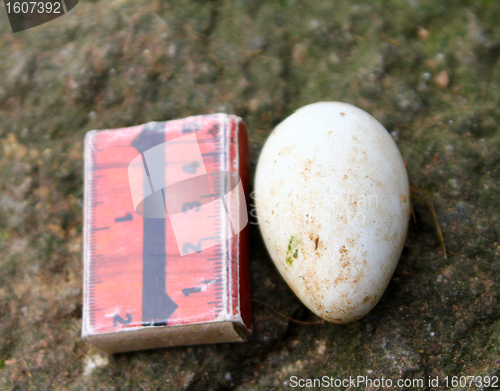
149,337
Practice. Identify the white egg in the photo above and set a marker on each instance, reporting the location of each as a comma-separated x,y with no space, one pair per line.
333,204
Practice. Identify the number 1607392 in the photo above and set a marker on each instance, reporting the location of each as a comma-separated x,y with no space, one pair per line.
34,7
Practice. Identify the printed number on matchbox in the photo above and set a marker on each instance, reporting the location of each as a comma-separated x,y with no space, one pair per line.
33,7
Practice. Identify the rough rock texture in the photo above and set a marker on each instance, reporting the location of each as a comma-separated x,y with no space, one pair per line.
428,71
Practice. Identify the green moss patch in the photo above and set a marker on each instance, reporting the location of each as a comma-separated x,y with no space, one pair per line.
293,250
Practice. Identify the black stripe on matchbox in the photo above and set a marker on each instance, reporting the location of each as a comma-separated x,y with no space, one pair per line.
157,305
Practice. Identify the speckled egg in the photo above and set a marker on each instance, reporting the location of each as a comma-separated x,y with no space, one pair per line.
333,204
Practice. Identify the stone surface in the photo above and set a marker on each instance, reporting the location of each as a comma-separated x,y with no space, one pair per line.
119,63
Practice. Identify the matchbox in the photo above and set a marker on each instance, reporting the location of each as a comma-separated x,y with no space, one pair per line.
165,234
